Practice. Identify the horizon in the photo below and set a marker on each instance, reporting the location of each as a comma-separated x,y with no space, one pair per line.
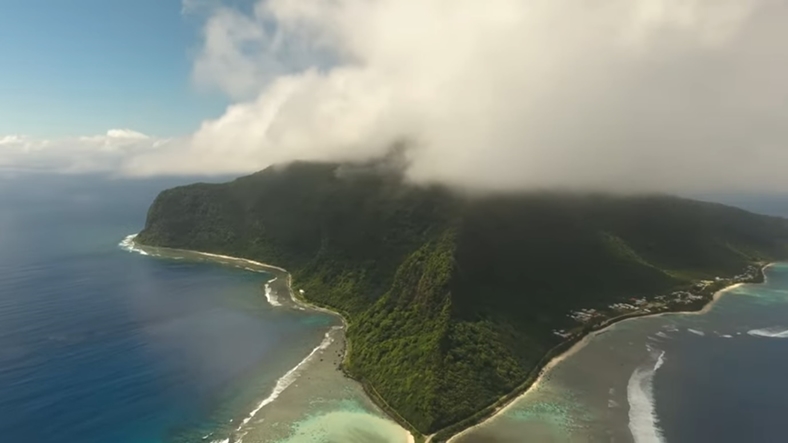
648,96
397,221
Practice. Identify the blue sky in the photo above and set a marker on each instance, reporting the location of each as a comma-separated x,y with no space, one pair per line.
656,95
82,67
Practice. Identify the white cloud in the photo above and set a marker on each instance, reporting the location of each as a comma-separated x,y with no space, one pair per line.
669,95
125,134
237,55
634,94
100,153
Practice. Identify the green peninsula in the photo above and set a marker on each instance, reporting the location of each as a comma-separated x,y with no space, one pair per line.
453,300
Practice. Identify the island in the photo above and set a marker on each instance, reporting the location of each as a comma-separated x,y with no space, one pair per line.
454,299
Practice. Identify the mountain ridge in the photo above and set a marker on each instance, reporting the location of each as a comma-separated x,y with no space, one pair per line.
453,299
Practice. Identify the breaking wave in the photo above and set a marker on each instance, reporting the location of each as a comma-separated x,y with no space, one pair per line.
773,332
696,332
270,296
643,421
127,244
286,380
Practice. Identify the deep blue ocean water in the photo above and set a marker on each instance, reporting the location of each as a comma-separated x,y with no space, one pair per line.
730,384
716,377
101,345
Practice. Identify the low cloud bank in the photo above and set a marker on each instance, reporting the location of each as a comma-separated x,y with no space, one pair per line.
632,95
107,153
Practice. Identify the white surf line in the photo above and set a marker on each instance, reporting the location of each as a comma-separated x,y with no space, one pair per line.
270,296
696,332
242,260
772,332
643,421
291,376
127,244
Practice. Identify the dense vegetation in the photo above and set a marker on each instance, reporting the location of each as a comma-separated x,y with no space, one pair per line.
452,299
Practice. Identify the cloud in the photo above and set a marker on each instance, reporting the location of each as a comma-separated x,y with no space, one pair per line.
236,56
243,53
75,155
624,94
666,95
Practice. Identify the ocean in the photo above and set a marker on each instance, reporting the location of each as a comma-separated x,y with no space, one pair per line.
712,377
101,345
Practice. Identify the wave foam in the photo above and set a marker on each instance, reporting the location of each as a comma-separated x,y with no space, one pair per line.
643,421
773,332
286,380
235,260
127,244
696,332
270,296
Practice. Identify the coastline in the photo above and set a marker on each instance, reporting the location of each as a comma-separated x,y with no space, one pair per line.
298,303
506,401
522,391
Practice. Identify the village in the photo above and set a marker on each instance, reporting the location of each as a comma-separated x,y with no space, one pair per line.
678,300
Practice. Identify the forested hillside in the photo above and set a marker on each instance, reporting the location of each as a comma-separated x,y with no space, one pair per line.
452,299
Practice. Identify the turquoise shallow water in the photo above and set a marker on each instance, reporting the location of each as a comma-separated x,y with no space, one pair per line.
312,401
348,424
717,377
100,345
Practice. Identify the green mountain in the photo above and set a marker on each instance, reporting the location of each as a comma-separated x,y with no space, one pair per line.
453,299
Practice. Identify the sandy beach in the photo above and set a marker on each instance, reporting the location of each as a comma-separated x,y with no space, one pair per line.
322,404
544,373
282,284
315,398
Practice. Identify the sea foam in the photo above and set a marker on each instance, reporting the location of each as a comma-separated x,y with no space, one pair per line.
291,376
773,332
127,244
270,296
643,421
696,332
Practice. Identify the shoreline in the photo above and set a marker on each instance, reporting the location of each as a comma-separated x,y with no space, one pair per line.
584,341
505,404
130,245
